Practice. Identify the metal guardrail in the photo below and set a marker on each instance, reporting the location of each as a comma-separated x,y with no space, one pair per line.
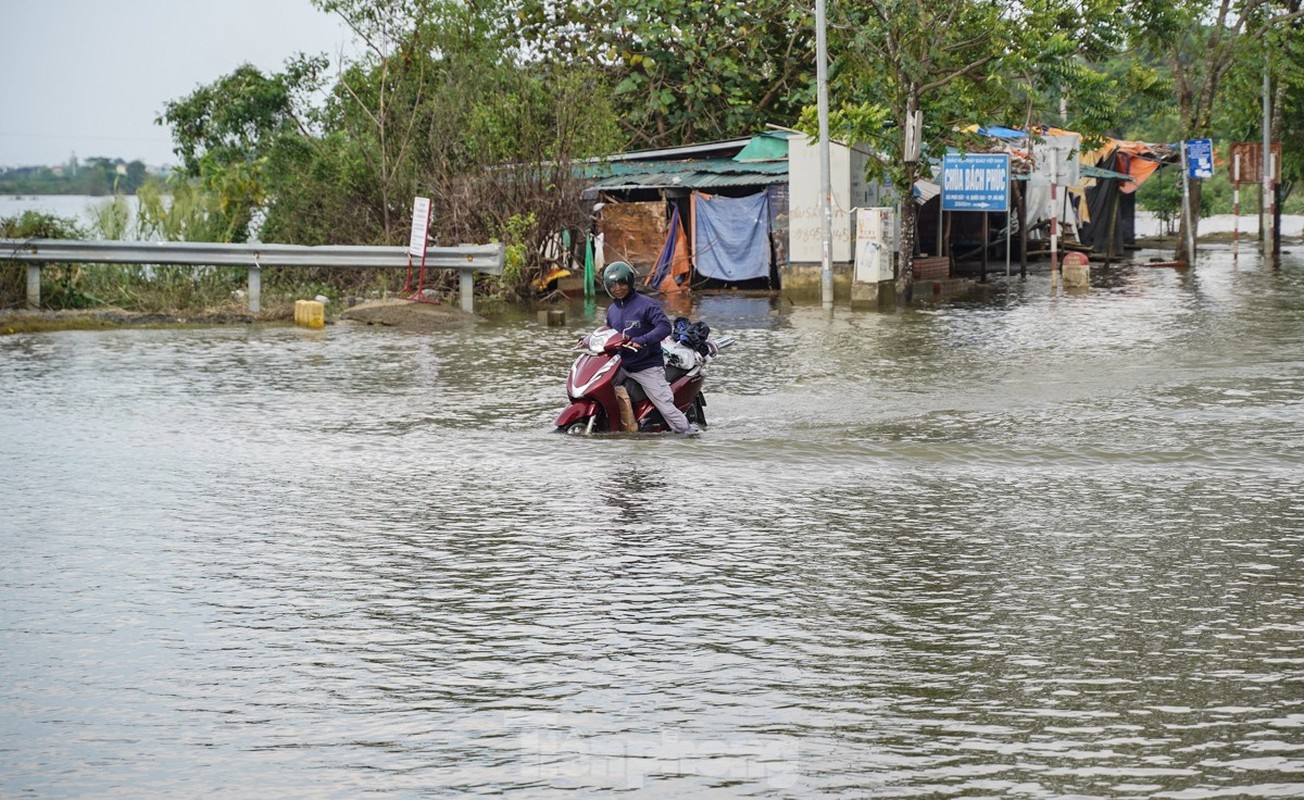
467,259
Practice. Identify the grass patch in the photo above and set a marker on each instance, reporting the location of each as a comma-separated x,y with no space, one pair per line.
41,321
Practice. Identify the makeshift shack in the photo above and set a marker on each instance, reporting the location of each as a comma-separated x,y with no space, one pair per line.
1094,199
722,214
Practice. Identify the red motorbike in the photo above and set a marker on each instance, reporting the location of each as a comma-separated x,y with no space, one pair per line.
595,404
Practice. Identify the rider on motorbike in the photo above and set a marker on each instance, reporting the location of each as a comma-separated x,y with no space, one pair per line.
644,325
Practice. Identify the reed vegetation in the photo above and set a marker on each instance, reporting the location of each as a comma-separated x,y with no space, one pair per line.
182,214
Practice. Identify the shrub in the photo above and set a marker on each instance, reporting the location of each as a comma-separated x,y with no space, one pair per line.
58,281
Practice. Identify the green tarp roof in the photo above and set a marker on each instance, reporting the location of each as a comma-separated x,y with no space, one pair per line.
769,146
760,162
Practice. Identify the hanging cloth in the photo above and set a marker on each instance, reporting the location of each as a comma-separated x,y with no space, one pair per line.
672,270
731,236
589,291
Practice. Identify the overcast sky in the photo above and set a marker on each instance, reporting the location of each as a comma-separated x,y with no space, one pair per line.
90,76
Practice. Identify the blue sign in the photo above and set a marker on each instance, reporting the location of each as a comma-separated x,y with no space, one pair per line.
975,182
1199,158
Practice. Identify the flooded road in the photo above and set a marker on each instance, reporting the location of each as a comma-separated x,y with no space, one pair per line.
1033,545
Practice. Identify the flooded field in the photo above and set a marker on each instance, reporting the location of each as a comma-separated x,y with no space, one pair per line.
1034,544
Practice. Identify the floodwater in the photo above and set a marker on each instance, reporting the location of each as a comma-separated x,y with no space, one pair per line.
78,207
1035,545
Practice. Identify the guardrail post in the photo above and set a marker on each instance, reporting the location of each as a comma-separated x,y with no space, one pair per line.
255,289
466,284
33,286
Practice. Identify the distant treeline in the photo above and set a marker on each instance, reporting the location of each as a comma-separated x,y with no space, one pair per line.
94,176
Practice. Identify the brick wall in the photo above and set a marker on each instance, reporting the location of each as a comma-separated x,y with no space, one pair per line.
933,269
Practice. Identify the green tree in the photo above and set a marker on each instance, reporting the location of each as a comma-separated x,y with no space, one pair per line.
955,64
530,129
135,176
60,283
101,176
377,102
437,106
683,70
1240,111
224,133
96,176
434,105
1204,42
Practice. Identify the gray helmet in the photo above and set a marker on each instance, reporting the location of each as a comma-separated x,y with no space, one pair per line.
618,272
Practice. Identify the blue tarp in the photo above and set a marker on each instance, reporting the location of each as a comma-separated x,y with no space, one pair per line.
998,132
733,237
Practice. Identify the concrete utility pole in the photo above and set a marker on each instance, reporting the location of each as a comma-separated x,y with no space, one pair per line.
1186,207
1267,192
826,183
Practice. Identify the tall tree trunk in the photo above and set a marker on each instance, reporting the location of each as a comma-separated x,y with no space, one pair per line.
909,211
906,255
1182,252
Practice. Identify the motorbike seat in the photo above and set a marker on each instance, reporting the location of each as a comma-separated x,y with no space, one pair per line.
636,393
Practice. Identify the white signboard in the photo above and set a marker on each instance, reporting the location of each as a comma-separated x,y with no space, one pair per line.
420,226
1057,158
875,228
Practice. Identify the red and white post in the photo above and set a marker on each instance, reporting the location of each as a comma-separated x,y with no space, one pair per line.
1236,209
417,245
1054,212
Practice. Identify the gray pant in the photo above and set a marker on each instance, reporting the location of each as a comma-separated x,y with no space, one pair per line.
653,381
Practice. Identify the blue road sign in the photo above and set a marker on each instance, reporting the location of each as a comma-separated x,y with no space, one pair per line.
975,182
1199,158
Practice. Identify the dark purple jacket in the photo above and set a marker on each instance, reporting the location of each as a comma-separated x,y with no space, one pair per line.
642,320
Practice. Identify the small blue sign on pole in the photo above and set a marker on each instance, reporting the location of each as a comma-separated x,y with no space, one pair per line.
975,182
1199,158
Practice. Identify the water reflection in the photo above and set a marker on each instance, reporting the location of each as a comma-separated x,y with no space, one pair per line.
733,312
1022,545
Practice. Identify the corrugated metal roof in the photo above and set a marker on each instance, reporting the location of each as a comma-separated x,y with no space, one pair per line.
691,150
690,180
711,172
716,165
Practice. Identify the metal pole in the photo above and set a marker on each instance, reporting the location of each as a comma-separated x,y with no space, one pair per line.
1023,232
826,189
1265,194
1274,240
1186,208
